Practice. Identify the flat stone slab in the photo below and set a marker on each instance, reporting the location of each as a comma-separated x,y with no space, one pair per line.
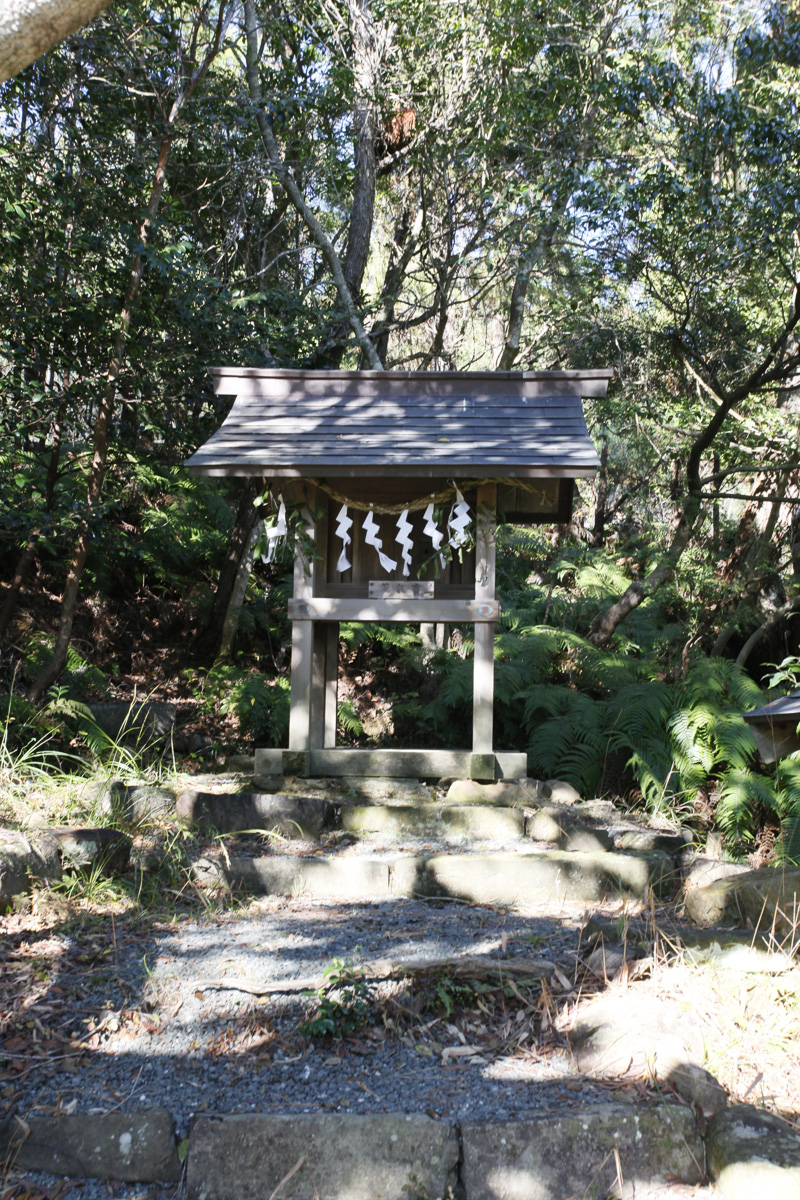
87,848
141,725
135,802
402,790
553,1157
242,764
331,878
479,878
390,1157
231,812
731,949
559,792
703,871
557,825
766,899
479,821
652,839
134,1147
544,874
753,1154
23,858
469,791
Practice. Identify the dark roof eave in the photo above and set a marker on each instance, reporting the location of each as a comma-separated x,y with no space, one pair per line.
288,373
460,470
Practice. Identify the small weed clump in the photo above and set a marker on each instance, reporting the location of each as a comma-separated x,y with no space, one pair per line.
344,1001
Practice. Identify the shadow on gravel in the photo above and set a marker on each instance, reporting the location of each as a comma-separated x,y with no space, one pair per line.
111,1015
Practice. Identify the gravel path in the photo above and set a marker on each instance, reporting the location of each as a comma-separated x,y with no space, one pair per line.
161,1019
159,1034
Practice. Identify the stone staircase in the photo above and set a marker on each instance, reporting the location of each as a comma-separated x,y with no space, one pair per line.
477,843
354,851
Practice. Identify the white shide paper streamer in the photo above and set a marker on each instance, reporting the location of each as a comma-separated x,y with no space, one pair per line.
458,521
275,533
372,529
403,539
432,531
343,525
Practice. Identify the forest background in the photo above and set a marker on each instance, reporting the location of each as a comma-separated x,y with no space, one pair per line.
356,183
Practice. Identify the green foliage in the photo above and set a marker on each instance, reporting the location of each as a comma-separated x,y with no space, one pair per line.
788,845
450,995
343,1002
80,680
260,705
348,718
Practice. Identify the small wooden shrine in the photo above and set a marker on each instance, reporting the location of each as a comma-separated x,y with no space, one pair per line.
399,479
775,727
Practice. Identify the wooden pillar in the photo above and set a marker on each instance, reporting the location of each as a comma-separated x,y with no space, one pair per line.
324,685
483,667
300,706
331,685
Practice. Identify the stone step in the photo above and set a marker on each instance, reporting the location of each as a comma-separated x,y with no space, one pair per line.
746,950
394,1156
503,878
577,1152
42,855
479,821
302,816
644,1150
234,812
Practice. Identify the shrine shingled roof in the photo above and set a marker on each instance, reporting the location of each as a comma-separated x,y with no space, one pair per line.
459,424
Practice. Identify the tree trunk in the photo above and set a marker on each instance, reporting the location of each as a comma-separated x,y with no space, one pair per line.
246,520
404,243
367,57
28,556
29,28
528,263
289,184
762,631
366,72
603,627
230,623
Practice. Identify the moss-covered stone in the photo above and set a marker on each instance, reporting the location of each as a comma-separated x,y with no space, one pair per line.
768,898
752,1154
551,1156
436,820
387,1157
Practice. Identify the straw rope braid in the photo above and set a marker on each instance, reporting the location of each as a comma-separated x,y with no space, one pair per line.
435,497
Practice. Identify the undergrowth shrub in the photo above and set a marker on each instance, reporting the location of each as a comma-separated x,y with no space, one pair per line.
80,680
260,705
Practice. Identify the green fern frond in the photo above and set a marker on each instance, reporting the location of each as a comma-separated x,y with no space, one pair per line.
787,847
741,792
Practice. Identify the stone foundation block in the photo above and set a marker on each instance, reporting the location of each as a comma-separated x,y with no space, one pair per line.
546,874
133,1147
24,857
479,821
290,816
86,848
551,1157
391,1157
766,899
328,878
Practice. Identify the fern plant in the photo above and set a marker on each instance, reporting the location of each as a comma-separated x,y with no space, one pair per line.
787,848
260,705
